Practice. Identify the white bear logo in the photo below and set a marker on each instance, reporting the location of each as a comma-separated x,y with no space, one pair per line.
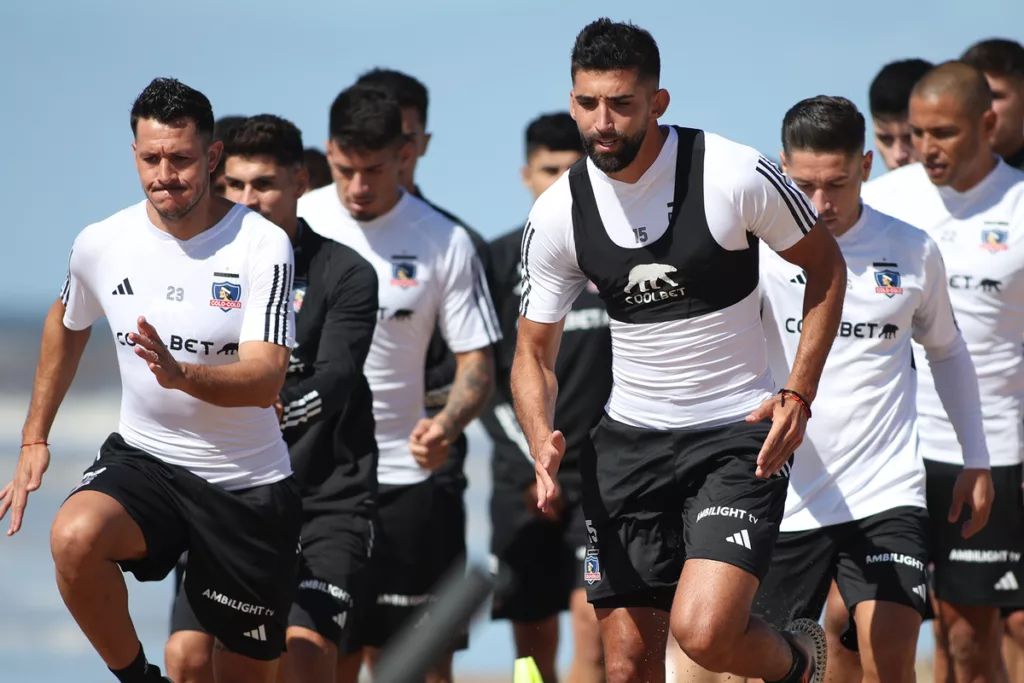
648,275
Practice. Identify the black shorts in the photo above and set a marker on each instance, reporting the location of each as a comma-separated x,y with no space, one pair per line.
985,569
242,545
408,563
544,559
882,557
654,498
450,538
334,588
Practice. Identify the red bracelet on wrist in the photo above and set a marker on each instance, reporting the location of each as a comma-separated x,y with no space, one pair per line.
804,403
36,443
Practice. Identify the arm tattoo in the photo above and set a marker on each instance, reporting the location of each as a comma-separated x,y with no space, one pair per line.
474,381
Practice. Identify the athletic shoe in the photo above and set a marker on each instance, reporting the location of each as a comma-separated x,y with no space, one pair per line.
808,635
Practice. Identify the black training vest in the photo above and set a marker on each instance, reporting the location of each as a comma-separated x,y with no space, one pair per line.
683,274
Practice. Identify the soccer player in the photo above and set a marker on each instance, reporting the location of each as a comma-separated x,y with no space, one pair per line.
317,168
692,458
856,508
972,204
198,462
413,101
888,98
544,551
430,278
1002,62
326,413
221,128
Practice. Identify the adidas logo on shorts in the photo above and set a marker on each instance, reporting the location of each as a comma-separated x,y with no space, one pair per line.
921,591
1007,583
740,538
257,634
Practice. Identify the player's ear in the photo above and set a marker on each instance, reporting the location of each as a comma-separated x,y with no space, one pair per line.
213,153
782,161
661,102
301,181
869,157
988,123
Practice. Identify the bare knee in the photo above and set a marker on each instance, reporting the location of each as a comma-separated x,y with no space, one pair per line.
74,540
704,637
93,526
626,658
889,661
1014,624
966,640
188,656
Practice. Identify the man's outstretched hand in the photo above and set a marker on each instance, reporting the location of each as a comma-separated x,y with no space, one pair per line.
789,423
547,459
28,476
974,489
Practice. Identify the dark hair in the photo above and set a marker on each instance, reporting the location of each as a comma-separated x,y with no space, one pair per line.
966,84
889,94
224,124
317,167
997,56
265,135
604,45
167,100
823,124
409,92
557,132
365,117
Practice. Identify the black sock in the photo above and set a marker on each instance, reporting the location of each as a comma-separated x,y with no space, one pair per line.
800,663
139,671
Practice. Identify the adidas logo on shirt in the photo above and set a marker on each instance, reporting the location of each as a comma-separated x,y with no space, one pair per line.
257,634
800,278
921,591
124,288
740,538
1007,583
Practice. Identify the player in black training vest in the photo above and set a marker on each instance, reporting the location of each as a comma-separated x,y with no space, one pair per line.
326,413
544,551
685,482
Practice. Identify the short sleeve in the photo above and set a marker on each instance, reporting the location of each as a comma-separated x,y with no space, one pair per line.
467,319
81,307
552,278
269,316
934,324
771,206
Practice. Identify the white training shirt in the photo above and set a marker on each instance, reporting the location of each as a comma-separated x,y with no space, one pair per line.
228,285
703,371
859,456
981,236
429,275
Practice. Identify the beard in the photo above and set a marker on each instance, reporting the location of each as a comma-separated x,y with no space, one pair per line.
613,162
178,213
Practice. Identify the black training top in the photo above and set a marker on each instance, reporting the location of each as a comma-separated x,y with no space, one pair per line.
583,370
328,407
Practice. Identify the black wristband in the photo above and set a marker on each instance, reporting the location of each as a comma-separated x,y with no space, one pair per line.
803,401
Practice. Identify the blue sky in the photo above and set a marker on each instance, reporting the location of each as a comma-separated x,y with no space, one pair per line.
71,71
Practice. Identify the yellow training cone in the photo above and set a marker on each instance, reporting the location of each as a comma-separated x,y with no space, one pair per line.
526,671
